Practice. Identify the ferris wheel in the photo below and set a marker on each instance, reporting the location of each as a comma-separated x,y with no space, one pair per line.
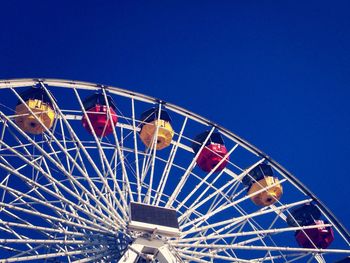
94,173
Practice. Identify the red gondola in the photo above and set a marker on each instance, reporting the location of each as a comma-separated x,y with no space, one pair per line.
213,152
97,111
309,215
320,237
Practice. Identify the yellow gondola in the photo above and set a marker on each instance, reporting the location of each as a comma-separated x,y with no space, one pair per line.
37,101
259,178
149,128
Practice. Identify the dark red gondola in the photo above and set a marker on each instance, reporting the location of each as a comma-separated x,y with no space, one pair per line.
309,215
320,237
97,111
213,152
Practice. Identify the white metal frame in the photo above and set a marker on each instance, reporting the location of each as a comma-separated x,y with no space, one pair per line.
72,202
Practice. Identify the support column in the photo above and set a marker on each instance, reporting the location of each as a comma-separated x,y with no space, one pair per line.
132,254
150,249
164,255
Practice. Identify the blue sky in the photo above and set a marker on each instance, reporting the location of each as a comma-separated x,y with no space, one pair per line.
274,72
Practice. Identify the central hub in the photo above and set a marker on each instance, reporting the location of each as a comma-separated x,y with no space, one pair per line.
153,220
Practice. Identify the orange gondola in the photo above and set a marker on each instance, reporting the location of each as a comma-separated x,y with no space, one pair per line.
36,103
259,178
150,123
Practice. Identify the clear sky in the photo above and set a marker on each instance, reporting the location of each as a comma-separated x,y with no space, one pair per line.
274,72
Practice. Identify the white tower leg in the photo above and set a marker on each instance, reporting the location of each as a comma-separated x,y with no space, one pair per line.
132,254
165,255
152,249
